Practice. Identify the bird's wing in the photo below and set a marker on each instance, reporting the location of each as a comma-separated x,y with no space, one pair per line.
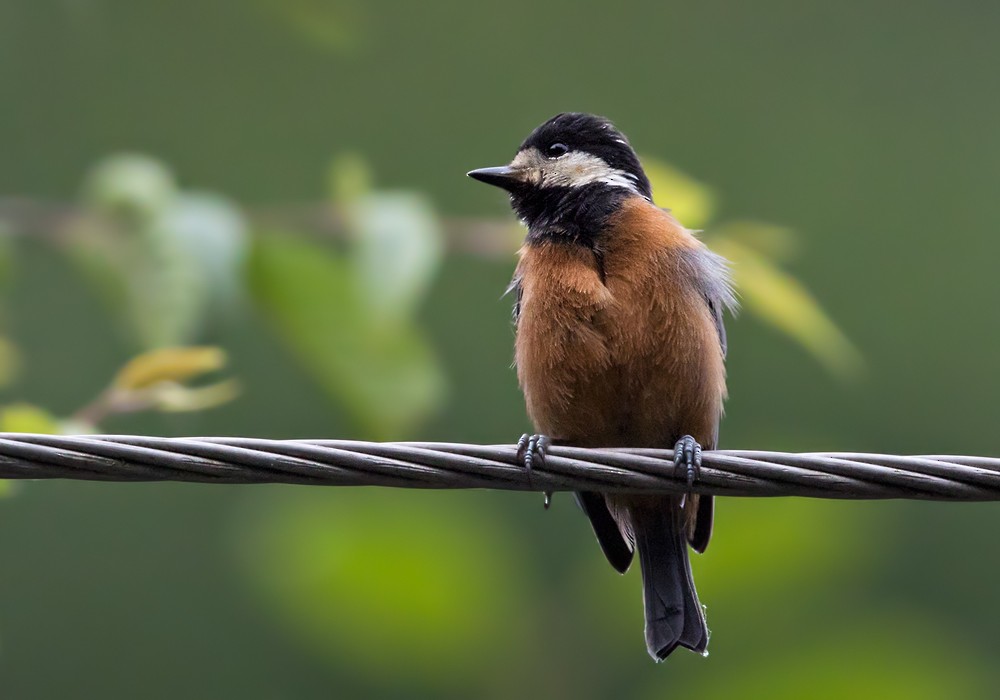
716,306
616,546
717,290
515,287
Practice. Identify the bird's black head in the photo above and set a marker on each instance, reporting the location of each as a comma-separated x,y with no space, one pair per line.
569,176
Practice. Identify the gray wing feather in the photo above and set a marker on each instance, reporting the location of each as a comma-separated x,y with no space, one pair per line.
712,273
515,287
717,288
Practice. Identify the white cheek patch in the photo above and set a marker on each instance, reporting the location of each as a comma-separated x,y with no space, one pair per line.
575,169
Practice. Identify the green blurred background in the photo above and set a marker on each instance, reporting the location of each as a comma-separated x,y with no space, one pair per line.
284,180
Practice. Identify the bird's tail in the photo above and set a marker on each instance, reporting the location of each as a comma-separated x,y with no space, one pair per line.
674,615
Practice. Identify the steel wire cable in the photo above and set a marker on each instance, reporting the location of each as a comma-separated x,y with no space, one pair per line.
237,460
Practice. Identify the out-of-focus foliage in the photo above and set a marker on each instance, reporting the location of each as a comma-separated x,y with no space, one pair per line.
132,187
349,315
385,373
167,365
432,590
692,202
152,381
25,418
396,242
782,301
156,380
162,257
754,249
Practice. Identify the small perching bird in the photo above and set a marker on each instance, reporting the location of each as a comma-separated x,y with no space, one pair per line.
620,343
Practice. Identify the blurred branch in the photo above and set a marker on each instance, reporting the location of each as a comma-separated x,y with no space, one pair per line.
393,243
155,380
59,221
228,460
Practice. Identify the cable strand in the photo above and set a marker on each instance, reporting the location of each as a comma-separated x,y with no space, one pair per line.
438,465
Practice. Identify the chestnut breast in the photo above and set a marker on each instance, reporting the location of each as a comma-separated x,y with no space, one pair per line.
618,347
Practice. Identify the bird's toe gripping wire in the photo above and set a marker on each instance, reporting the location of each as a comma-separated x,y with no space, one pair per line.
687,459
531,451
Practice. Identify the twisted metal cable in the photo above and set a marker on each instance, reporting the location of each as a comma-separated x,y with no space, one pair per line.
232,460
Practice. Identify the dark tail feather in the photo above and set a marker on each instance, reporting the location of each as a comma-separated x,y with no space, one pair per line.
701,533
673,614
616,548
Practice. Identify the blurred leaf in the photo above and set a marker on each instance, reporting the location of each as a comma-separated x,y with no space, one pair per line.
780,300
25,418
387,376
168,295
333,24
421,579
164,257
176,398
765,290
75,426
777,243
213,232
399,246
690,201
154,379
129,185
349,179
168,365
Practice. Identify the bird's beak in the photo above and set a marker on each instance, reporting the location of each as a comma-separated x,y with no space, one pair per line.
504,177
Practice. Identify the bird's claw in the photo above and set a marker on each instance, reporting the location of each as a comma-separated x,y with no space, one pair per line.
531,453
687,458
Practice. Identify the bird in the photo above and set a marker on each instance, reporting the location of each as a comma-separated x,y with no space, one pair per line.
619,342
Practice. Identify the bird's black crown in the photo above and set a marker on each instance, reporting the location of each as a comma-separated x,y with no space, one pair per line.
577,131
578,212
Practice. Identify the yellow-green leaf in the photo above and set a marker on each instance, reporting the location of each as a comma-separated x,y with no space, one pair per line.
690,201
777,243
349,179
25,418
168,365
130,185
782,301
387,375
177,398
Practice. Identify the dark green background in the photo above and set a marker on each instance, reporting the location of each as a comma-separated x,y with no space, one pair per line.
868,128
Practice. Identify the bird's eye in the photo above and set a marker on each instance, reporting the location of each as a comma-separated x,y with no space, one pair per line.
556,150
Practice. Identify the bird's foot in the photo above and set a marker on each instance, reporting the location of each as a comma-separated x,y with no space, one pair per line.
531,453
687,459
